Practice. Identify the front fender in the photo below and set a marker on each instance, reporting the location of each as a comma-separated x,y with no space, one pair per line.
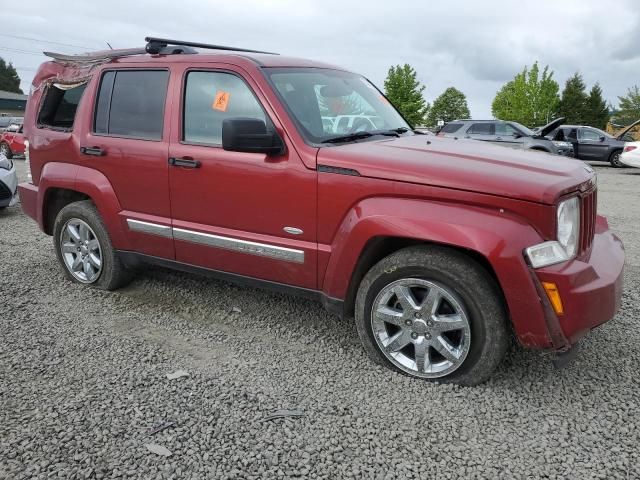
92,183
498,236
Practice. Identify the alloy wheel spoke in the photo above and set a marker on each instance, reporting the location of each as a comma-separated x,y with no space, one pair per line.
444,348
432,302
69,247
398,341
422,356
87,269
389,315
93,245
405,298
73,233
94,260
76,266
84,232
448,323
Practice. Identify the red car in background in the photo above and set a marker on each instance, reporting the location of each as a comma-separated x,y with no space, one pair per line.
12,141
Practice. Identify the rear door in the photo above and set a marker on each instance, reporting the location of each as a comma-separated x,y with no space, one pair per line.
591,145
128,143
236,212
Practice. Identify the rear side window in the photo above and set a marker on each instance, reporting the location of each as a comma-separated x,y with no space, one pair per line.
210,98
451,128
131,104
482,128
60,105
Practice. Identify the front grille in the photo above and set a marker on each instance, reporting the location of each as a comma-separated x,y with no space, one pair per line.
588,220
5,193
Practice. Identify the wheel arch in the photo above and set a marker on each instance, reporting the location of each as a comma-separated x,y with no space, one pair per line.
495,239
61,184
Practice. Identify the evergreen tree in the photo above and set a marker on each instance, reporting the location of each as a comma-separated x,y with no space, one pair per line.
404,91
629,109
530,98
452,104
597,110
573,104
9,79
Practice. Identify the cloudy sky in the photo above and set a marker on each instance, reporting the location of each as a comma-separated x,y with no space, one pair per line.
474,46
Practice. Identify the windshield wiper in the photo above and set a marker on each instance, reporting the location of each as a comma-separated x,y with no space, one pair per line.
360,135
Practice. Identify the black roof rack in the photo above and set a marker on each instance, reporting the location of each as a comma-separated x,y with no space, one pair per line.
161,45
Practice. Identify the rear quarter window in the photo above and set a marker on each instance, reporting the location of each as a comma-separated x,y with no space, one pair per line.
59,106
451,127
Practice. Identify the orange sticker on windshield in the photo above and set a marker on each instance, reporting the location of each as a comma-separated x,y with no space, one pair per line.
222,101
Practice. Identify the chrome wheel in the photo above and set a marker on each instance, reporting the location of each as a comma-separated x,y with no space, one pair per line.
421,327
81,251
615,160
4,150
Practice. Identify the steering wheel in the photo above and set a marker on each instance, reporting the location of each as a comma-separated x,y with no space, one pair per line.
360,125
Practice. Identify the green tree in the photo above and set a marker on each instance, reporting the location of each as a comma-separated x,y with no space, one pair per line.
9,79
450,105
530,98
574,101
629,108
597,110
404,91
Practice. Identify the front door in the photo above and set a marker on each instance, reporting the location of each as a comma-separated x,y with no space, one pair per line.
592,145
243,213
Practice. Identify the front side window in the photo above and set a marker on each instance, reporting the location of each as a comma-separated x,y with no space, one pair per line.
505,130
485,128
212,97
589,135
131,104
328,103
59,106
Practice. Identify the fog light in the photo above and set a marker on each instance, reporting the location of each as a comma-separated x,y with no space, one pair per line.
554,297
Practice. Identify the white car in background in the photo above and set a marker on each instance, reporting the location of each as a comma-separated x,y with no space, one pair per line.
8,183
631,154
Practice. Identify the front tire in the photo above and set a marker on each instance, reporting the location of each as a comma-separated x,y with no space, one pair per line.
84,248
432,313
614,159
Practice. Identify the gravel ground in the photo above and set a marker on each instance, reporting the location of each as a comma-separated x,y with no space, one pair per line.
83,380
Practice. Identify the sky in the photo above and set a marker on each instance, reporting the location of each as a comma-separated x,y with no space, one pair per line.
473,46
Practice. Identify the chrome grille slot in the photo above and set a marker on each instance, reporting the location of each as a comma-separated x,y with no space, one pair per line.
588,219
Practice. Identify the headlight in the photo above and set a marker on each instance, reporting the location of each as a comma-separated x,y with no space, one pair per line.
5,163
568,235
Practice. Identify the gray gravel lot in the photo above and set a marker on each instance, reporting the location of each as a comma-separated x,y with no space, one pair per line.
83,379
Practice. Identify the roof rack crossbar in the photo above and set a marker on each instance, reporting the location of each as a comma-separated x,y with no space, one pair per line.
154,45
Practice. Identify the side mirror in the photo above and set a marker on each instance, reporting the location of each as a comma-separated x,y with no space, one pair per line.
602,138
250,135
516,135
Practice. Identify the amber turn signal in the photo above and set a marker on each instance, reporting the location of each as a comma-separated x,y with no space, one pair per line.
554,297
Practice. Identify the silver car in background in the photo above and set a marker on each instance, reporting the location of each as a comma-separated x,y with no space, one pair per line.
508,134
8,183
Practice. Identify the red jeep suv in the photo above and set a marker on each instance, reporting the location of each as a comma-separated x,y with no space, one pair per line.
231,163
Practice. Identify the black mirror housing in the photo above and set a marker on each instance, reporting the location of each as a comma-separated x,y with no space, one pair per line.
250,135
602,138
516,135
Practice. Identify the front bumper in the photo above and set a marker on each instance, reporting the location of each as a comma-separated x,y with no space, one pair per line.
590,286
8,187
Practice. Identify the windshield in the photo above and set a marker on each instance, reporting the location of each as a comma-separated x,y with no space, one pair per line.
528,132
328,104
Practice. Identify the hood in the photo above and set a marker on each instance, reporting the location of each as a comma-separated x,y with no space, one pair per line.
462,164
627,130
550,127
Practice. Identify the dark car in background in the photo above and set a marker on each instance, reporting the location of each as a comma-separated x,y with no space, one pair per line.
590,143
508,134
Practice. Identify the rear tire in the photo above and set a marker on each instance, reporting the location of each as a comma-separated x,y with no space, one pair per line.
614,159
6,150
450,328
84,248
